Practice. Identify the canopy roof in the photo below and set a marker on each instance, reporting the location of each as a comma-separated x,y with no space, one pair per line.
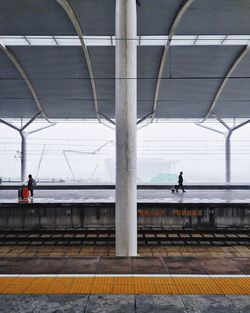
44,66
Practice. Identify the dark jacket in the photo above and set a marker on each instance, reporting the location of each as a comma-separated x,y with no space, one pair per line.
180,181
30,184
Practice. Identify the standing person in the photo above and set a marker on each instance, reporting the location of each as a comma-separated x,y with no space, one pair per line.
31,185
180,183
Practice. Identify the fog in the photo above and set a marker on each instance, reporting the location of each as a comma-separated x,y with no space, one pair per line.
85,152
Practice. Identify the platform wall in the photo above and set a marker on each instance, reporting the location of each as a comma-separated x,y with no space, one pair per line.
63,215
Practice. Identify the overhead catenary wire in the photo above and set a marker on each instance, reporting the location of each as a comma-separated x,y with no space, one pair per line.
170,77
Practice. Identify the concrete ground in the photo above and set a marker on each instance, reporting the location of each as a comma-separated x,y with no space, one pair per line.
48,250
156,196
25,302
124,303
125,265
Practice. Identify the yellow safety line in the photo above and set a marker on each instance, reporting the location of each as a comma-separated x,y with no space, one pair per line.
126,285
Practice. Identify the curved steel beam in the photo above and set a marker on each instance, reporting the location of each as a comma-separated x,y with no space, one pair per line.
30,121
144,118
73,18
93,152
236,62
172,31
107,118
26,79
210,128
24,135
240,125
228,149
9,125
227,135
220,120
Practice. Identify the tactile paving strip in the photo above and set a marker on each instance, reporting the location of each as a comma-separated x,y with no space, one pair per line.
129,284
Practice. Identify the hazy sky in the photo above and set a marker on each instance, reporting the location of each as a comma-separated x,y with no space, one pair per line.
163,149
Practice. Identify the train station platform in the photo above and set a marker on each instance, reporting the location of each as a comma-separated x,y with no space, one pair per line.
153,195
138,284
75,209
193,253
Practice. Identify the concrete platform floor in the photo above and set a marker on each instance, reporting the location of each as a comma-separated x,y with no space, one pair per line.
31,250
125,303
178,285
125,265
125,285
155,196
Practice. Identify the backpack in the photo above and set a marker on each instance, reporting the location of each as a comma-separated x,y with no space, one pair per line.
34,183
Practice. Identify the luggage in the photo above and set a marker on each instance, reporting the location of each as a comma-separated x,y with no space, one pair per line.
23,194
174,188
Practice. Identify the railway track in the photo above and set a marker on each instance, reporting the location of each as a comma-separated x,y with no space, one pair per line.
106,236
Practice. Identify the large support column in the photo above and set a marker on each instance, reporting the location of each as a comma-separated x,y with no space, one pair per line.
228,135
126,117
24,136
23,156
228,157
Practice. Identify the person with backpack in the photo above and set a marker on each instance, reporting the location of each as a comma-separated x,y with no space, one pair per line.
31,185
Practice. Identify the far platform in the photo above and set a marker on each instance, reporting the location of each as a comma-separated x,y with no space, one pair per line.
144,196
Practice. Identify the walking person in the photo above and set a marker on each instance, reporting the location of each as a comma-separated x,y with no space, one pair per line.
180,183
31,185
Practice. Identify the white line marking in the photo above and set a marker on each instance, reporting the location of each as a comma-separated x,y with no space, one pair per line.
127,275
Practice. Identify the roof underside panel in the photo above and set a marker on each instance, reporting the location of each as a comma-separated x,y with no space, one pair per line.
243,69
216,17
155,17
192,78
14,107
235,99
15,98
200,62
233,109
185,98
148,67
29,17
59,74
103,61
96,17
209,17
61,80
7,69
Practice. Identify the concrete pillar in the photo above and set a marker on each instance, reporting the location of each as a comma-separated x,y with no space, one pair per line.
23,156
126,117
228,157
